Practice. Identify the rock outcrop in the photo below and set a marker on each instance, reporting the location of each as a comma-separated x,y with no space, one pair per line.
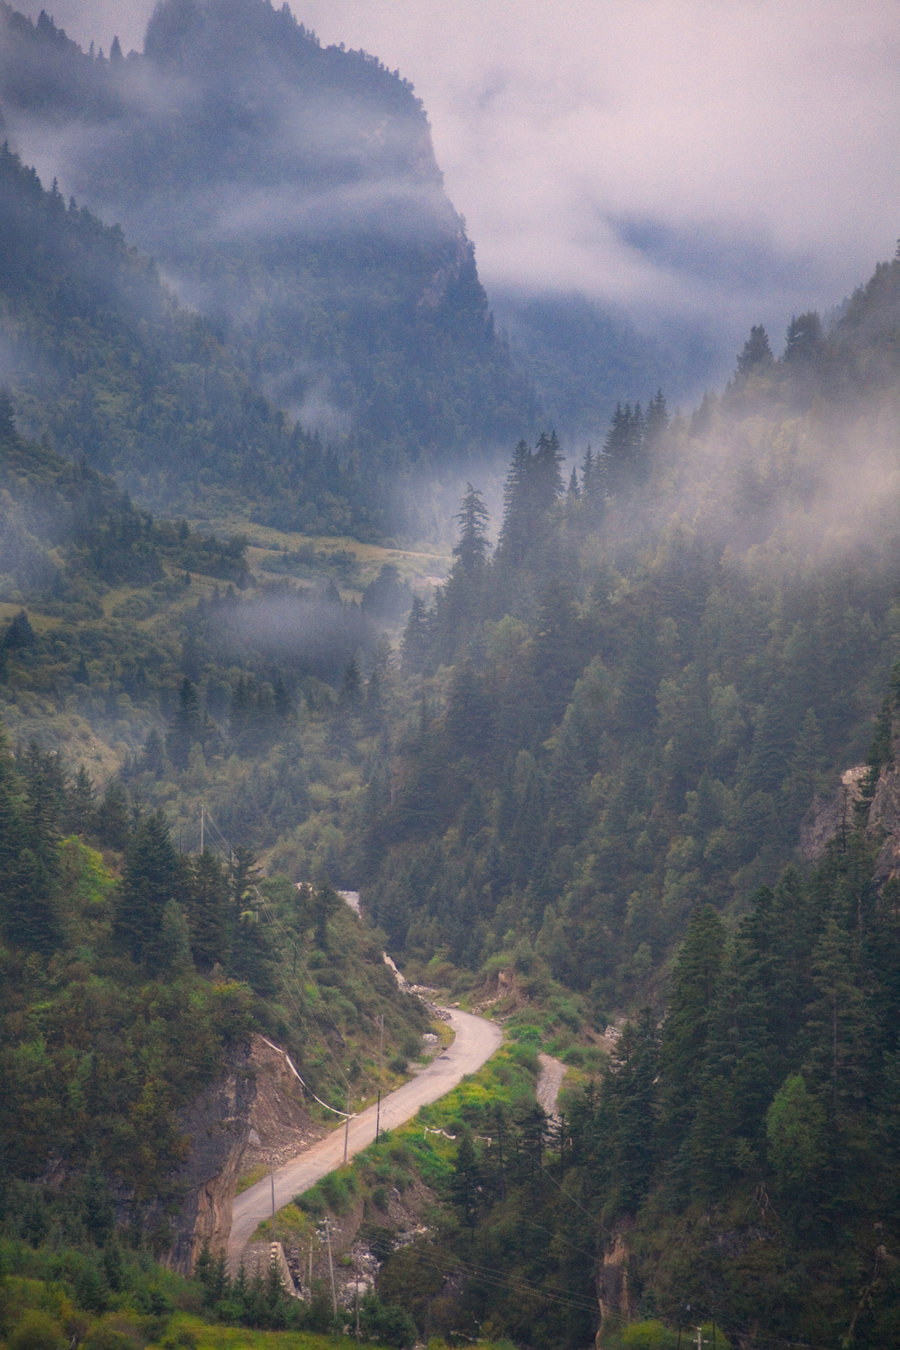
884,817
613,1294
252,1116
828,815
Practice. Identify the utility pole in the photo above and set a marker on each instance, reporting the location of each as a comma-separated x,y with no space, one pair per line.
272,1180
380,1074
202,827
347,1126
331,1266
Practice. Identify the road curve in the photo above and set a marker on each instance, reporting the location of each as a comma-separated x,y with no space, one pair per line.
475,1040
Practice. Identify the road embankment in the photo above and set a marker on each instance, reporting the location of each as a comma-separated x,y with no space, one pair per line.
474,1041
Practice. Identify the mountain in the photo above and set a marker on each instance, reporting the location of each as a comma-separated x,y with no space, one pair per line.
631,719
291,192
108,368
630,706
583,358
576,789
582,781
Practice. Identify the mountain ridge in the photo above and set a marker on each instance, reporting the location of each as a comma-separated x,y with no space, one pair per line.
300,205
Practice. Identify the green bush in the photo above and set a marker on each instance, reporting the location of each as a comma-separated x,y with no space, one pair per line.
37,1331
649,1335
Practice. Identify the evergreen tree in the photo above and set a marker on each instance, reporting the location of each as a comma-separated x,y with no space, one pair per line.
696,982
623,449
471,549
206,901
630,1113
28,864
151,878
112,823
805,341
187,725
416,639
755,357
515,532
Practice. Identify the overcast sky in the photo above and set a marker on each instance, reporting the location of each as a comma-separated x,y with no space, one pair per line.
735,158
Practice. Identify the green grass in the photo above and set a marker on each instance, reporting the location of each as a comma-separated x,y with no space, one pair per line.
508,1079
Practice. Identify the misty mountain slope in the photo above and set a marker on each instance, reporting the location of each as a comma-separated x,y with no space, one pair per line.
105,364
292,191
629,707
584,358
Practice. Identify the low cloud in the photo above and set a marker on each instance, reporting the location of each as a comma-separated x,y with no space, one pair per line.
731,162
769,124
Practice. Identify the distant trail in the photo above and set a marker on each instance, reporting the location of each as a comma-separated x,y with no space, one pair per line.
474,1043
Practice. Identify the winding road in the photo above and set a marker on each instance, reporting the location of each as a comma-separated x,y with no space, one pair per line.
474,1042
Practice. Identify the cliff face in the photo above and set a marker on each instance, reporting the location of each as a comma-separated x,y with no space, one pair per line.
830,814
884,816
252,1116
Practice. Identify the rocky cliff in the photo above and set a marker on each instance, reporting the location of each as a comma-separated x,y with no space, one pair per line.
252,1117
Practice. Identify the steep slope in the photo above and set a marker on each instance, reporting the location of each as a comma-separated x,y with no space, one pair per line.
583,358
623,719
292,191
630,706
108,368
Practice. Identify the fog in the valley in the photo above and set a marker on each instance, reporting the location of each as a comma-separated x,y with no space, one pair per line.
680,172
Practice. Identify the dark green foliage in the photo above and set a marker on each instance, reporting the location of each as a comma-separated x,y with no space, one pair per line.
151,879
742,1153
387,597
28,864
207,904
756,356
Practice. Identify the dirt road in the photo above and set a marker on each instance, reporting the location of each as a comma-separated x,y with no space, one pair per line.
474,1042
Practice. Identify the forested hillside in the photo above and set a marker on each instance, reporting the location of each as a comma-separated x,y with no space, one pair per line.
110,370
590,781
631,704
626,711
290,192
134,971
603,733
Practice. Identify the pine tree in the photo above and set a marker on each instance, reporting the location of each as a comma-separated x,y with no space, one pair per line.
187,725
695,987
515,532
471,549
633,1089
152,877
623,450
416,639
112,823
206,901
755,357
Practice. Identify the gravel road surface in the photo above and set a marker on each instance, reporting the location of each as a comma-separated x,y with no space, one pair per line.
474,1042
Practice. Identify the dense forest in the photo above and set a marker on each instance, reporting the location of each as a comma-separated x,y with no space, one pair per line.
617,767
106,367
631,704
586,764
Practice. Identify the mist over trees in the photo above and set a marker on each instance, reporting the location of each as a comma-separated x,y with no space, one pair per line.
336,277
589,779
